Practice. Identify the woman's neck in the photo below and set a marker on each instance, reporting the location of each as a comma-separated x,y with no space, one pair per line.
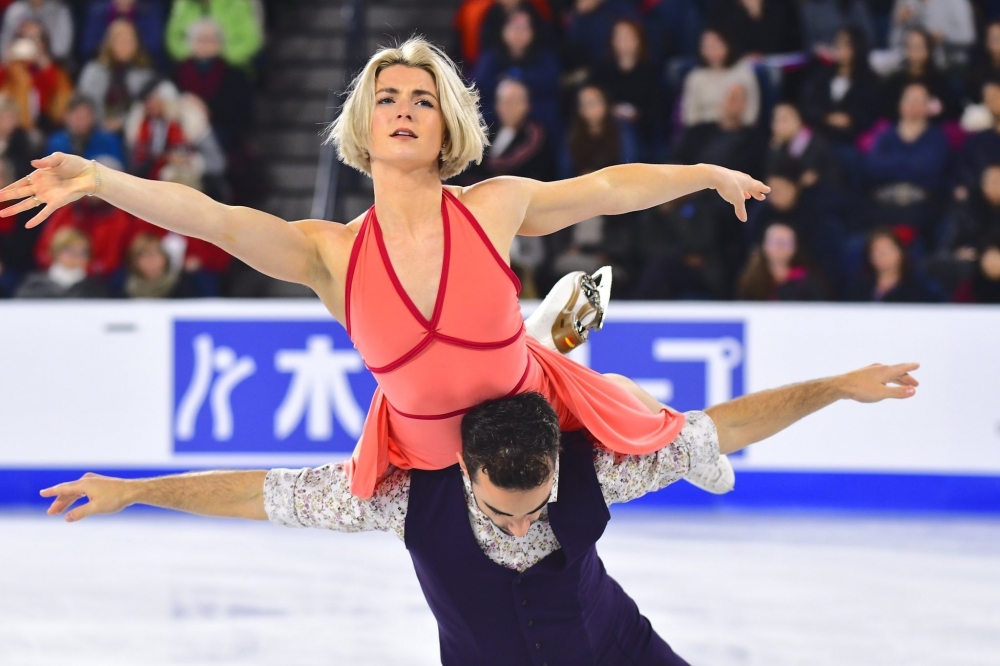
627,63
779,271
887,280
406,199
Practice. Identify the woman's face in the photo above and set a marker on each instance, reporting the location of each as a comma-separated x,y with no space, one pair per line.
592,107
843,48
124,42
518,33
407,125
779,244
625,41
786,123
993,41
151,263
713,49
512,103
917,52
75,256
885,255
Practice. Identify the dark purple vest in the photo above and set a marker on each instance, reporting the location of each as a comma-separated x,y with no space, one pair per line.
565,610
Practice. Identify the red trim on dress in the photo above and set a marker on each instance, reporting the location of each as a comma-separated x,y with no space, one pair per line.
486,240
402,360
468,344
351,265
399,286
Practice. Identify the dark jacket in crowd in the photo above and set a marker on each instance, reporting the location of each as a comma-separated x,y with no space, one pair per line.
860,102
529,155
923,163
912,289
40,285
639,87
227,93
776,31
538,70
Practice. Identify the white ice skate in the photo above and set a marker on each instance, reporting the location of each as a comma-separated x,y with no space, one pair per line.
716,477
574,307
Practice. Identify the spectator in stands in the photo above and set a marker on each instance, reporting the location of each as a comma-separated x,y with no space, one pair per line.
822,19
730,142
982,148
919,67
907,166
521,57
633,84
777,271
203,166
115,78
242,36
147,17
151,274
16,242
500,11
222,87
949,22
67,276
152,133
756,27
706,85
986,66
52,14
15,144
588,32
596,139
839,99
82,136
673,27
519,146
107,229
683,254
39,86
797,150
889,276
978,216
984,285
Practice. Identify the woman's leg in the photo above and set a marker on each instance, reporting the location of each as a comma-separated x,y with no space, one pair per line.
652,404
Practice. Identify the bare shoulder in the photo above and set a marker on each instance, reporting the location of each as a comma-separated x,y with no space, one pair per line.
498,202
333,242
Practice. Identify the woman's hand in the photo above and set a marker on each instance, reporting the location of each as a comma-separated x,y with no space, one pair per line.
736,187
59,179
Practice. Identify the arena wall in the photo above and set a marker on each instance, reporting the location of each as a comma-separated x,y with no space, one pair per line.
148,388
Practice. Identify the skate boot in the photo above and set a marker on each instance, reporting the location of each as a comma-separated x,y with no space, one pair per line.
574,307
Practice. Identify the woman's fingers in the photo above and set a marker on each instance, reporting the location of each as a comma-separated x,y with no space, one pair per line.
11,192
18,208
41,217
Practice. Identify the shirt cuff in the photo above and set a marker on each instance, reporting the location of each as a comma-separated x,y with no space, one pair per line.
279,496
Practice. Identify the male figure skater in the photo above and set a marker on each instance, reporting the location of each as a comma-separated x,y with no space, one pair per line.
503,542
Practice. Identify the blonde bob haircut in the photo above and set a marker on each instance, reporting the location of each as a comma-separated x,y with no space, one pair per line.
465,136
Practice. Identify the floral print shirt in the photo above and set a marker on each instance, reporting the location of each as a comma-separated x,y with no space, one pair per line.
321,496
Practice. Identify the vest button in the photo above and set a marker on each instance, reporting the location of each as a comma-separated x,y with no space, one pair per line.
518,581
530,622
538,646
524,602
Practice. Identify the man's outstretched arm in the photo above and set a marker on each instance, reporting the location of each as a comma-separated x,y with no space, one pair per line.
226,494
757,416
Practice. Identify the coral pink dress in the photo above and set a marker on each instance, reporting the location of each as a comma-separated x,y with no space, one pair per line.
473,348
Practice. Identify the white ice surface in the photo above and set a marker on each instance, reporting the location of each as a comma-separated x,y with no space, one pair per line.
724,589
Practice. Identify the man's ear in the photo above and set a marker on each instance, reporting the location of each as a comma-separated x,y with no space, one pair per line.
461,463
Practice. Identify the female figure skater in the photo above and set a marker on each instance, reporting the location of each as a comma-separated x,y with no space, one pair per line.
421,281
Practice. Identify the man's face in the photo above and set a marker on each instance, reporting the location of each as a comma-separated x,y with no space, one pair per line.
914,105
512,511
512,103
80,121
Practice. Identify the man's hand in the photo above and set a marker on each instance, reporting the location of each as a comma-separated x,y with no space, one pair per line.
105,494
878,382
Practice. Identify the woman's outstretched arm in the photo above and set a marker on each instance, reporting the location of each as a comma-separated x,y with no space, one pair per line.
269,244
548,207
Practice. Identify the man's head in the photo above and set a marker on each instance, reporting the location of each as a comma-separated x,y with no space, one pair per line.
513,103
80,117
509,450
734,105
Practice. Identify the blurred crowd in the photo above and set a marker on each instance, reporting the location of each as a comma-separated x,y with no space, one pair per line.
161,89
876,123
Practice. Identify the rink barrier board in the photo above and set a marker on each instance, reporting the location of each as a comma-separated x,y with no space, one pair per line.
852,492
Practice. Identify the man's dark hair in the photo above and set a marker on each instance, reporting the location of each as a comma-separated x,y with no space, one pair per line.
515,440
